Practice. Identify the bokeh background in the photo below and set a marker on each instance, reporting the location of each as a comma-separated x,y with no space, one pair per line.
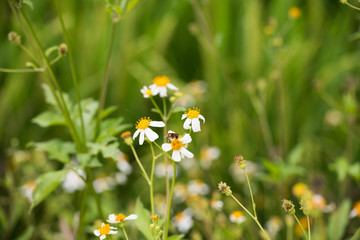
279,89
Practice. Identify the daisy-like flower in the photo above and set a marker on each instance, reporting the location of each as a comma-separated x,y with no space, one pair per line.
113,218
104,230
161,83
196,187
177,145
73,182
146,92
143,129
184,221
237,217
355,212
192,117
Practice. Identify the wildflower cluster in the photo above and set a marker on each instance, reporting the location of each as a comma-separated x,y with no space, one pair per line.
119,219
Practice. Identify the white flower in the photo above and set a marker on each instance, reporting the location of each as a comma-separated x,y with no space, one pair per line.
207,155
103,183
192,117
355,212
162,168
184,221
113,218
177,145
142,127
73,181
161,83
146,92
237,217
121,178
216,204
196,187
123,163
27,189
104,230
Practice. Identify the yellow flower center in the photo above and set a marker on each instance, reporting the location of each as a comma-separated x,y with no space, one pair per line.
143,123
120,217
148,92
237,214
104,229
161,81
193,113
176,145
357,207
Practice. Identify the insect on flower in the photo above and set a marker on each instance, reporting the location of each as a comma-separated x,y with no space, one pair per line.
172,135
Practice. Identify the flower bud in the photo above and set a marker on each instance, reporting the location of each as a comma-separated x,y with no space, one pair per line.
127,138
305,203
63,49
14,38
288,206
225,189
155,218
239,160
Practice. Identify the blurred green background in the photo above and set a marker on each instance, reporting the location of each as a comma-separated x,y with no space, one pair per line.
282,92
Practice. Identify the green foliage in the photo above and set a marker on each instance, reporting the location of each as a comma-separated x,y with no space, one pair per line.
57,149
176,237
29,3
143,222
338,221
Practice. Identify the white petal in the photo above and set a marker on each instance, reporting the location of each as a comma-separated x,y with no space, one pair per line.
183,116
102,237
97,232
195,125
186,138
186,153
176,156
152,86
163,92
131,217
141,140
202,117
154,90
112,218
171,86
146,96
151,135
144,90
113,232
171,131
166,147
157,124
187,123
136,134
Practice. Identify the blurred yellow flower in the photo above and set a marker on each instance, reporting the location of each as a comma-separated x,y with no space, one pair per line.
294,12
299,189
237,217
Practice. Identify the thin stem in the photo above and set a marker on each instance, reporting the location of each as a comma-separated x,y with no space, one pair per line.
82,213
350,5
73,71
105,82
251,194
157,107
167,155
55,59
93,192
300,226
170,199
152,180
29,53
255,219
170,111
308,222
126,236
164,106
140,165
25,70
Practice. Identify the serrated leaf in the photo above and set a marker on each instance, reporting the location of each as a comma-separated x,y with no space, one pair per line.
47,119
176,237
46,184
108,150
51,50
29,3
50,99
57,149
338,221
111,127
143,220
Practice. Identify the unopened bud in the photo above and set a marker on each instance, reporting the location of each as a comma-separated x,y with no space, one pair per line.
155,218
240,161
127,138
172,99
225,189
14,38
63,49
152,226
288,206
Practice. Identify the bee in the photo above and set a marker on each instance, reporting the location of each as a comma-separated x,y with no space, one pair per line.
172,136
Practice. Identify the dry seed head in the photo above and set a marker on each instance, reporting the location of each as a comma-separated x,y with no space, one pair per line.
240,161
225,189
14,38
288,206
305,203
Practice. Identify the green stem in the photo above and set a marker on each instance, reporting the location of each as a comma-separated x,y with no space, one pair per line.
55,59
61,103
8,70
140,165
93,192
126,236
167,155
157,107
106,77
170,199
164,106
352,6
170,111
251,194
73,71
254,218
300,226
152,180
29,53
82,213
308,222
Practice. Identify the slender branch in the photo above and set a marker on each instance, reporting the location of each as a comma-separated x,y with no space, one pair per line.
300,226
126,236
152,180
80,229
25,70
140,165
93,192
170,199
29,53
157,107
251,194
308,222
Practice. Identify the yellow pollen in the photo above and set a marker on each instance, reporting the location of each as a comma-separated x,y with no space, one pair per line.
104,229
148,92
176,145
161,81
120,217
237,214
193,113
143,123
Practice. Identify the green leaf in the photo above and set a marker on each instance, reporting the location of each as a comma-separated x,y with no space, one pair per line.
51,50
176,237
107,111
179,109
46,184
356,235
111,127
3,219
27,234
108,150
155,110
143,221
50,99
354,171
57,149
338,221
29,3
131,4
341,167
87,160
47,119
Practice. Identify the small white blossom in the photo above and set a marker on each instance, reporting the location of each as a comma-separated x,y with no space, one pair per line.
192,118
146,92
113,218
143,129
104,230
178,147
161,83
